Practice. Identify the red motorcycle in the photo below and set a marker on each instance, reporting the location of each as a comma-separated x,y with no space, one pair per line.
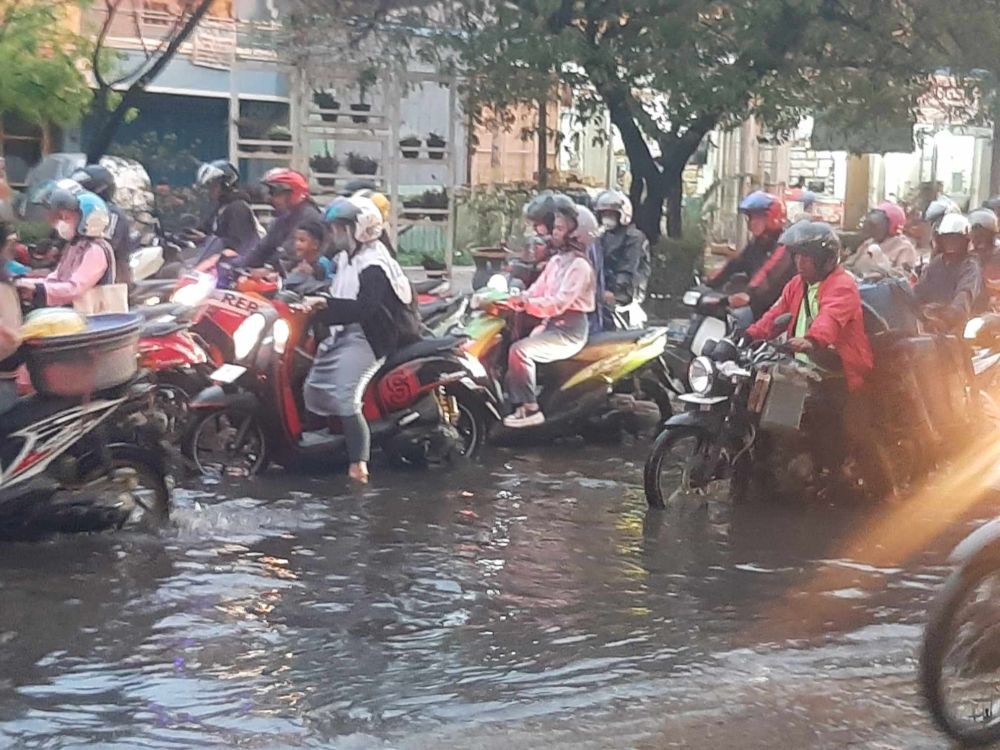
428,403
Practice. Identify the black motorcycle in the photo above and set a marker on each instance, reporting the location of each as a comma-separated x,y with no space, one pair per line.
72,465
764,421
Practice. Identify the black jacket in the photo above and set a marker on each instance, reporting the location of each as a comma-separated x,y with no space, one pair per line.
121,243
389,325
958,284
279,243
233,222
626,264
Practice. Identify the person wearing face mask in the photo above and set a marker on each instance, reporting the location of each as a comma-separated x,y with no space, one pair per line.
560,299
984,230
98,180
81,219
373,312
624,251
764,260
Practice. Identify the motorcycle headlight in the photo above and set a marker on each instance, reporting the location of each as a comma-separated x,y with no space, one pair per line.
248,335
973,327
701,375
194,294
281,332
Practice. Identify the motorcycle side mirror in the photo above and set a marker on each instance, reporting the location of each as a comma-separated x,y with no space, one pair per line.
739,279
709,347
781,323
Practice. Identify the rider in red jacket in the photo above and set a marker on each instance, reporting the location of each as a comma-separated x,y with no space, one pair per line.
824,302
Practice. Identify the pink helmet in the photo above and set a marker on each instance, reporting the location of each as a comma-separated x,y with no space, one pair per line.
896,216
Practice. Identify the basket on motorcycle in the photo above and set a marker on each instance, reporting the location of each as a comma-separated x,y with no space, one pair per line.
103,356
785,402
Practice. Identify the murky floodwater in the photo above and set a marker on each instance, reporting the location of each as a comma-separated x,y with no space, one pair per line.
526,602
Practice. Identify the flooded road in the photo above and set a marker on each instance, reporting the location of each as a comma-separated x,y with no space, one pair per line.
526,602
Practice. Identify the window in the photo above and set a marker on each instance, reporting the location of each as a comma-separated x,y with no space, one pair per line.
22,144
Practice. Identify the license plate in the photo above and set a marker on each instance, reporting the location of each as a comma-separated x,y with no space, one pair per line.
228,373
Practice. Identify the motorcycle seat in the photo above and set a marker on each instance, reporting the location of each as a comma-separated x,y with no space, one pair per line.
433,308
617,337
157,329
423,348
426,286
35,408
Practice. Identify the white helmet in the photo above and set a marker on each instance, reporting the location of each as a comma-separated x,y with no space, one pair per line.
953,224
617,201
984,217
939,208
586,227
369,224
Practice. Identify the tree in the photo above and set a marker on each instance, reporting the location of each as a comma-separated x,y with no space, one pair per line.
669,71
112,103
40,80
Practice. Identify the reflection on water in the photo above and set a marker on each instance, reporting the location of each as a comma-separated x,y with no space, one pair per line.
297,614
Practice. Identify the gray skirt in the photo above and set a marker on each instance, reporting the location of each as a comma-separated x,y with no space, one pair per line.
344,365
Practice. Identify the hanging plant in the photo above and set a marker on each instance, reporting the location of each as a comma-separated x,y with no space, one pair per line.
326,101
435,141
410,146
361,164
325,164
280,133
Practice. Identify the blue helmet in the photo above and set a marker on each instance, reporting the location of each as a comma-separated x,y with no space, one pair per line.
94,216
341,209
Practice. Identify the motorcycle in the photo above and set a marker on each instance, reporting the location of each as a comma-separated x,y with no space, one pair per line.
619,381
73,462
960,655
761,420
427,403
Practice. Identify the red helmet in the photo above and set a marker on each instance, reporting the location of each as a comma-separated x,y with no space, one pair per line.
895,215
769,204
281,180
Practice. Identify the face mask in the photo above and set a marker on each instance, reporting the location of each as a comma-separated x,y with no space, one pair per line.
609,222
66,229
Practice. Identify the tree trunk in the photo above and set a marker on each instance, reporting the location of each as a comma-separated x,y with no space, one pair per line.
673,183
649,211
543,144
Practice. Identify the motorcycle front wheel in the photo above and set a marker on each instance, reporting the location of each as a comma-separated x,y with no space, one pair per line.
150,493
680,464
228,442
960,660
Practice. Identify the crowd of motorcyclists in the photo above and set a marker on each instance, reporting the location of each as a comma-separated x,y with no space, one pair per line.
591,269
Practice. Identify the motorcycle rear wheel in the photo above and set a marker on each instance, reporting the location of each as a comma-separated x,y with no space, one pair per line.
227,442
678,455
972,720
151,494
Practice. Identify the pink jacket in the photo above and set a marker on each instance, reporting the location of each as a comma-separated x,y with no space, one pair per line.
567,284
83,266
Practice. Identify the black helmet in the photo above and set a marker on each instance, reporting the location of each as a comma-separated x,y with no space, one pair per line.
220,171
97,179
353,186
817,239
540,209
563,204
993,204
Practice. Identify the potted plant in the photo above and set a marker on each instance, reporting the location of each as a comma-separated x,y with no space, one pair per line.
410,146
411,203
326,101
435,141
325,164
251,129
438,200
280,133
361,164
367,78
